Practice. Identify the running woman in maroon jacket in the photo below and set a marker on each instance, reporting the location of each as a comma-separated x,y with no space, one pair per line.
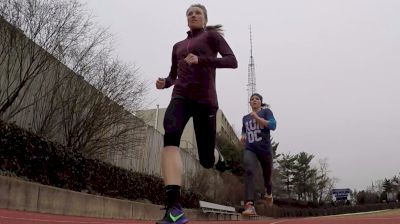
194,61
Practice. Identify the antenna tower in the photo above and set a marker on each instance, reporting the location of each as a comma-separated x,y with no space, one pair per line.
251,82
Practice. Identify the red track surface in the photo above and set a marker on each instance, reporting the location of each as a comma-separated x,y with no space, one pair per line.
18,217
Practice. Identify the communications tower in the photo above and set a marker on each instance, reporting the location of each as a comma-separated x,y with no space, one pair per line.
251,82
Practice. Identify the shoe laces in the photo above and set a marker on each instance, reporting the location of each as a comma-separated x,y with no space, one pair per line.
248,205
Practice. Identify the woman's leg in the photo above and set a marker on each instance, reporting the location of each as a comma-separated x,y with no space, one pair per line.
265,159
250,166
204,122
171,165
175,119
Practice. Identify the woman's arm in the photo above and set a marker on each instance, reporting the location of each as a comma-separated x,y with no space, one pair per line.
173,73
260,120
228,59
268,121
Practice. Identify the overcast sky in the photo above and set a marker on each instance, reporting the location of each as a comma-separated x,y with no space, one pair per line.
329,69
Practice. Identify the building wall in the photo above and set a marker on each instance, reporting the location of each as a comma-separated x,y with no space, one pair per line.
155,117
225,128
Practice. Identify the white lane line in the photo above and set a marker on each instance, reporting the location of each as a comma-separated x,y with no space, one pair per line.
278,222
61,221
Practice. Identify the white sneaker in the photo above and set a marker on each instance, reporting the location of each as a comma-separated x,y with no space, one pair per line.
269,199
249,209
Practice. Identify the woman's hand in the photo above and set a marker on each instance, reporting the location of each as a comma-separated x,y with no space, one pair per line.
260,120
254,115
160,83
191,59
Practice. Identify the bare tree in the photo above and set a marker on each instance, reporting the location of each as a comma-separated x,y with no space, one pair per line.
21,61
57,68
330,186
324,182
35,32
97,118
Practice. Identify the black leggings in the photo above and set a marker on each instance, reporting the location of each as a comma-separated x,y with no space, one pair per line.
178,114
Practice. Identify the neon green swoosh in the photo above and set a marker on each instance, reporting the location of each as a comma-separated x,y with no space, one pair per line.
174,218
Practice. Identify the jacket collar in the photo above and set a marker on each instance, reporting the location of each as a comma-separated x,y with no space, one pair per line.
193,33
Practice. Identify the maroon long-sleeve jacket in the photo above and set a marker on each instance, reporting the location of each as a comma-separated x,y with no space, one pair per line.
197,82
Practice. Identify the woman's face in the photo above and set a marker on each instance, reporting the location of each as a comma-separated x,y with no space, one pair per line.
195,18
255,102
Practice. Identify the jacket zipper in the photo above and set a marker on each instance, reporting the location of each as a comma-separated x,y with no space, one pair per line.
188,44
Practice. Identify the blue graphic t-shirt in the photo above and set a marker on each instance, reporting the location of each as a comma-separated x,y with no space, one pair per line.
257,136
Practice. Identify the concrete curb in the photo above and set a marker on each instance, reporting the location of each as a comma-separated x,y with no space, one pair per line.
16,194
